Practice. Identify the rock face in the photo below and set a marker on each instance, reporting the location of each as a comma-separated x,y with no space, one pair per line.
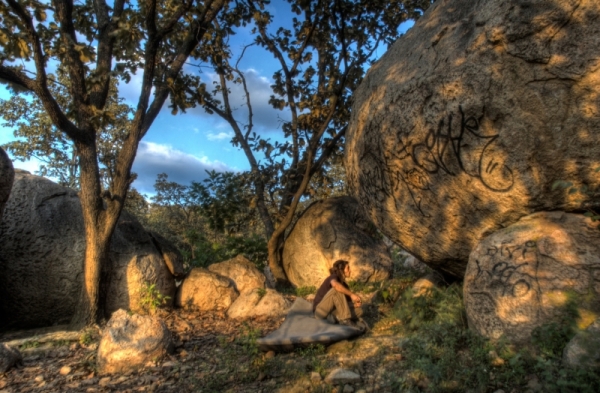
332,229
7,176
522,276
465,123
131,341
9,357
170,254
41,258
251,304
242,272
206,291
584,349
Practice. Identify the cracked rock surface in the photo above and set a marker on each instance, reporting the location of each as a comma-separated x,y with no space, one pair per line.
332,229
464,125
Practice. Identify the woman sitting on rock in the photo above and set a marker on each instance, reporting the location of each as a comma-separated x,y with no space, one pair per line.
334,301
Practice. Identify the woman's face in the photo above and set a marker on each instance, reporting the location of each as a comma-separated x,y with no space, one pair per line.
347,271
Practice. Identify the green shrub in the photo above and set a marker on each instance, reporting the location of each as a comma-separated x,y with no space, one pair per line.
444,355
151,298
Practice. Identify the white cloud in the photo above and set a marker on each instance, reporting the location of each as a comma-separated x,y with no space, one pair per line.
220,136
153,158
265,118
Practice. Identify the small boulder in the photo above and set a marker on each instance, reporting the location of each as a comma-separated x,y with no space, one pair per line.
522,276
427,283
206,291
7,176
259,302
341,376
244,274
9,357
583,351
131,341
332,229
171,255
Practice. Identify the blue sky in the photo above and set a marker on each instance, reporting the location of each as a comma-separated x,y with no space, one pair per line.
186,145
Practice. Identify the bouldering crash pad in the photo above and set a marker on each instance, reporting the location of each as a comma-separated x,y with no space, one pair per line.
301,329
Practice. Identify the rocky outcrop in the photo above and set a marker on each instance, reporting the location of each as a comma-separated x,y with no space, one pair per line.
7,176
41,258
259,302
9,357
583,351
462,127
131,341
332,229
244,274
523,276
206,291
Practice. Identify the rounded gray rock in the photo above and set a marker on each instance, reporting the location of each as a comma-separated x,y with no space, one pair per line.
41,258
524,276
332,229
131,341
464,125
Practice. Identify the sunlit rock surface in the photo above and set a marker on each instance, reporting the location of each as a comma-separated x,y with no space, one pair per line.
466,122
206,291
131,341
527,274
41,257
244,274
257,302
332,229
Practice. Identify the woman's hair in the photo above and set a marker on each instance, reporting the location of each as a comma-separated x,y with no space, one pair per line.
338,269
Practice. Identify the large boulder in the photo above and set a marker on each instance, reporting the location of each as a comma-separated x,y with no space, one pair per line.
463,126
332,229
7,176
525,275
244,274
206,291
131,341
259,302
41,257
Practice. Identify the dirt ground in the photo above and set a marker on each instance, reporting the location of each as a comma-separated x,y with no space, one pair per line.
213,354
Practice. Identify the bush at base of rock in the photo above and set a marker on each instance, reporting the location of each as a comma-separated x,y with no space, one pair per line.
530,273
332,229
259,302
131,341
206,291
244,274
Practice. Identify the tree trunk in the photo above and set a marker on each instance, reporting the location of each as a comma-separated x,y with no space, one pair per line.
274,248
96,254
98,232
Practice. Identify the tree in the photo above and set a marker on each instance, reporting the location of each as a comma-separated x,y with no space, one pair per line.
41,139
323,59
95,42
